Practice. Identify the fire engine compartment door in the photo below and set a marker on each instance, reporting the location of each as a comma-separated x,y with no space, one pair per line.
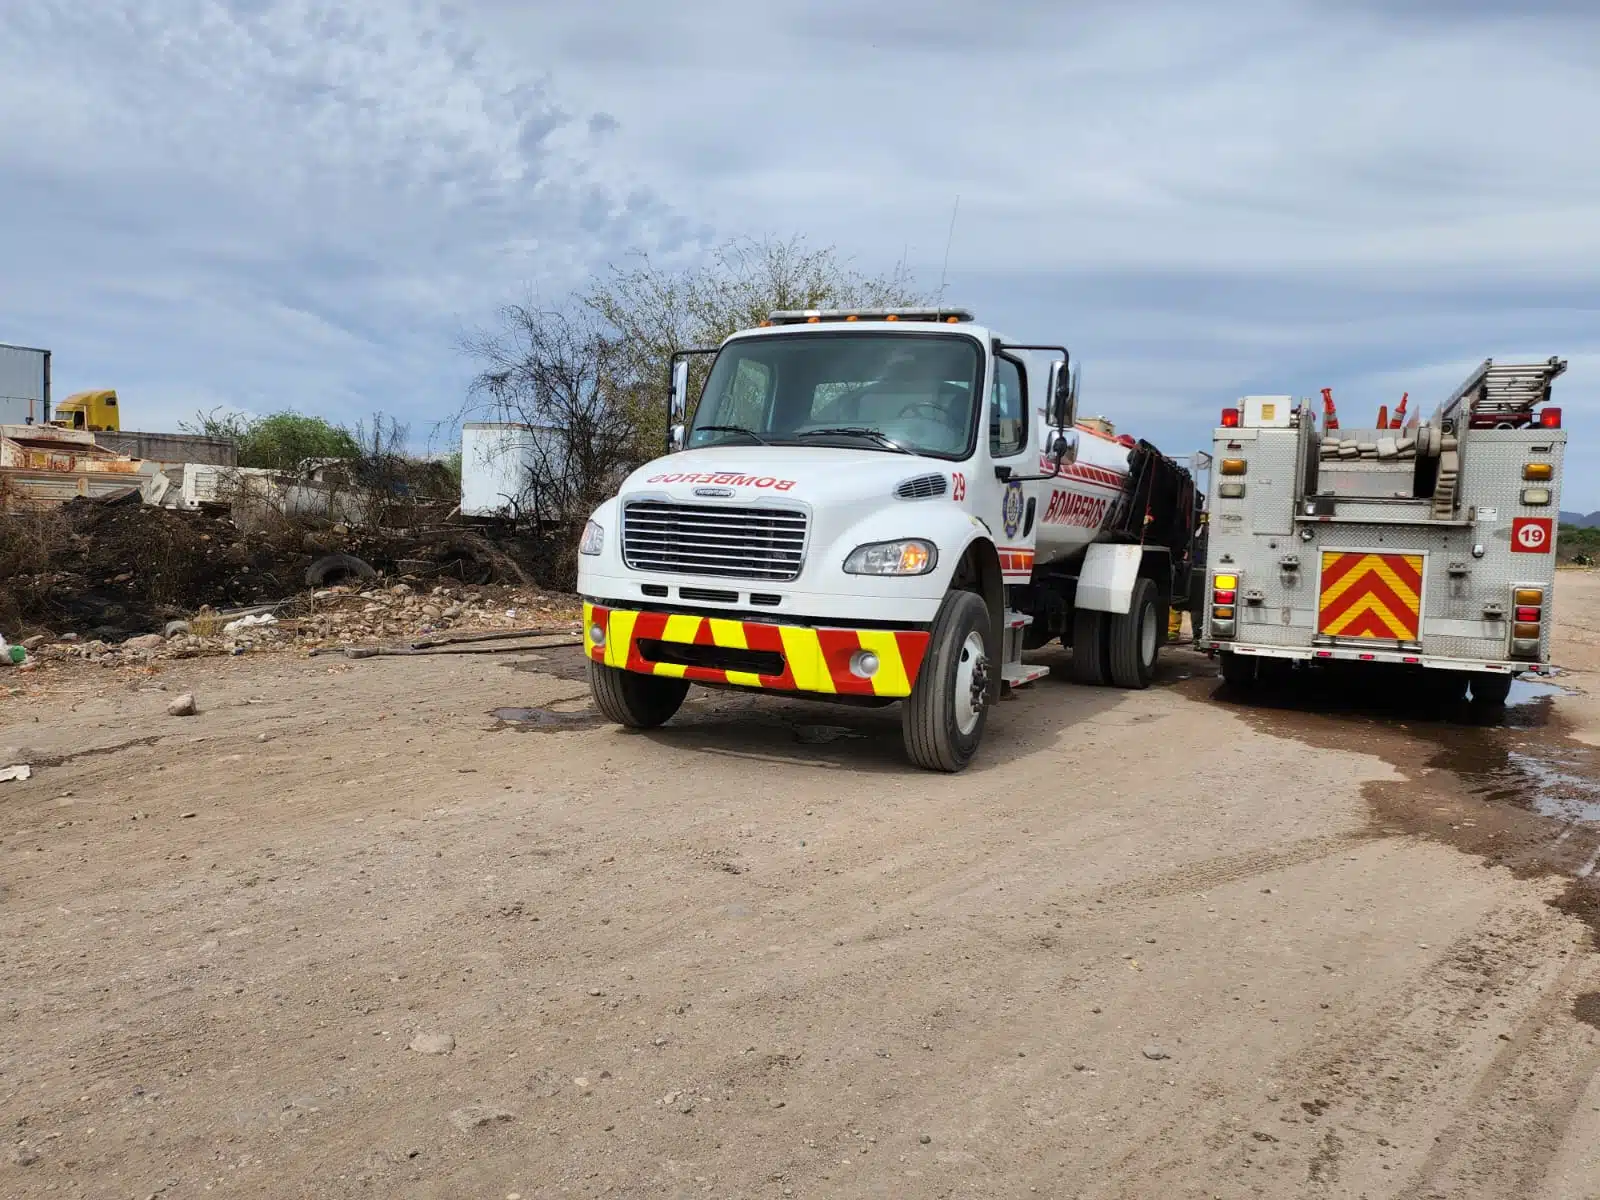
1368,595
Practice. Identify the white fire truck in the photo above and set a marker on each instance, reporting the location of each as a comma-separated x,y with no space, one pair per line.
873,507
1430,545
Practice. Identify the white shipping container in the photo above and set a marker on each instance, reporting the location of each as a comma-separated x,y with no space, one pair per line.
497,461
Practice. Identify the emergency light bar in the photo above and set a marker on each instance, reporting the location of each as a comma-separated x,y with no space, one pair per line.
814,316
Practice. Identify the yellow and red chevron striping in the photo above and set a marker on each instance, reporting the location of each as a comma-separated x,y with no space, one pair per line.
812,659
1370,595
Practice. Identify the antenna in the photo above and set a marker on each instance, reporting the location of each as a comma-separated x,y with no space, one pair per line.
950,237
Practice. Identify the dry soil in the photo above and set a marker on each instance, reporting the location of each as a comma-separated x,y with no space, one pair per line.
361,928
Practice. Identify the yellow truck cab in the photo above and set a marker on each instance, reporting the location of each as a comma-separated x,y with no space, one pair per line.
95,411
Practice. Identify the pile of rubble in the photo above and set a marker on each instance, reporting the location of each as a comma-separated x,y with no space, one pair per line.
334,616
114,572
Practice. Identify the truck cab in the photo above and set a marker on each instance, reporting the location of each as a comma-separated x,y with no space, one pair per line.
94,411
843,517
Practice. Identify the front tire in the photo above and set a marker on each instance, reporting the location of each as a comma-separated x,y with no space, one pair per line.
944,716
634,700
1135,637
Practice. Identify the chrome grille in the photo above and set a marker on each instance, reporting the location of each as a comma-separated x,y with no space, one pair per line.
714,539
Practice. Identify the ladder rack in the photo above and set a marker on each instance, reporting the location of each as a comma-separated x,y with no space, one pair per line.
1504,394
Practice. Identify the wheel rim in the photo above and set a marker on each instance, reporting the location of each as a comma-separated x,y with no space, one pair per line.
972,683
1147,635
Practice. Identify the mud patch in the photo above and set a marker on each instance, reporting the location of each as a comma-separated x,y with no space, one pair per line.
1587,1008
821,735
567,663
1501,783
543,720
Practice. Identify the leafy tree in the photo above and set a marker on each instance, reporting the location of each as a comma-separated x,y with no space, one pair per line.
284,441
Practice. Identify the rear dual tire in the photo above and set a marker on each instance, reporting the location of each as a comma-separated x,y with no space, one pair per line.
1120,648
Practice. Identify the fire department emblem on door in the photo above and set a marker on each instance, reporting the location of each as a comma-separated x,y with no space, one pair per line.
1011,513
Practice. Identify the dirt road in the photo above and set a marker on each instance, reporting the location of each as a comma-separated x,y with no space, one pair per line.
1152,944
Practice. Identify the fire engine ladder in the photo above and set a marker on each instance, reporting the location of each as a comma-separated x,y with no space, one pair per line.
1495,396
1505,394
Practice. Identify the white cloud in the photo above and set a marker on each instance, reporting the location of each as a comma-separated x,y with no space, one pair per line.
303,201
297,202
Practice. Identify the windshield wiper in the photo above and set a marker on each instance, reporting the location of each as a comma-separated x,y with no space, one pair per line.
859,431
749,433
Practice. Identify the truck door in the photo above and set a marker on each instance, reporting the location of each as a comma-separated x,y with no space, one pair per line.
1009,508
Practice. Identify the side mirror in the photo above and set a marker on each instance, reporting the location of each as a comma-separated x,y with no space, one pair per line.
679,401
675,438
1060,394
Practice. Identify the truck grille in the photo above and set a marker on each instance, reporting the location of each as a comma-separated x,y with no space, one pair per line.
713,539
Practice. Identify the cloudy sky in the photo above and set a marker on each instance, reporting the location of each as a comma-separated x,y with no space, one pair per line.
269,203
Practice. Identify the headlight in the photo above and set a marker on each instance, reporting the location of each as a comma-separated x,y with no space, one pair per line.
594,537
913,556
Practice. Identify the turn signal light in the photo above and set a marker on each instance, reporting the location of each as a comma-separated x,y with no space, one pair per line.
1232,466
1539,470
1230,418
1223,596
1232,581
1523,630
1529,596
1549,418
1527,614
1222,612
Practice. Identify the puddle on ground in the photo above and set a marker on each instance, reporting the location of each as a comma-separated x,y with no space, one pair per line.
1502,783
544,720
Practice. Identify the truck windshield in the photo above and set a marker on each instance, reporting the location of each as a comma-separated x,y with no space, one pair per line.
875,391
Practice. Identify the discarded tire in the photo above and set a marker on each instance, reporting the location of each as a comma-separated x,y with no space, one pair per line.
331,568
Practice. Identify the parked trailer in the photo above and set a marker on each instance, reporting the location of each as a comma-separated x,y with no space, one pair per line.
1429,545
871,507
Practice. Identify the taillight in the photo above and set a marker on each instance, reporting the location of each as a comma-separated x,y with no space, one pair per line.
1224,590
1230,418
1549,418
1528,623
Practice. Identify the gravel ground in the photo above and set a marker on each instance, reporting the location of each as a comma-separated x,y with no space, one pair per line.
421,926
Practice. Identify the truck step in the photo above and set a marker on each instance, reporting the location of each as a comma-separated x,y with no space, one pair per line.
1017,620
1019,674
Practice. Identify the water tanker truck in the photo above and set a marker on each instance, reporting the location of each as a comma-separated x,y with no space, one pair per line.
884,507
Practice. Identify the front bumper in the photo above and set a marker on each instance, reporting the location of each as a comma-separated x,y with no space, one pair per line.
756,654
